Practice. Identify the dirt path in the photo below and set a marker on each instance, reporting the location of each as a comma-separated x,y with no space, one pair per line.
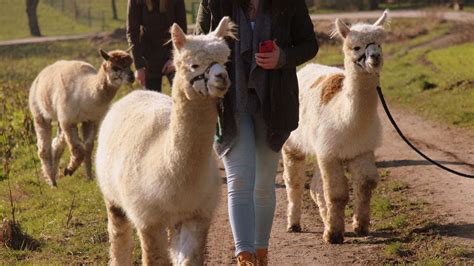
450,197
43,39
447,15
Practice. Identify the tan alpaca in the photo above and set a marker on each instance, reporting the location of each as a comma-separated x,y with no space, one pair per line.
154,158
339,124
73,92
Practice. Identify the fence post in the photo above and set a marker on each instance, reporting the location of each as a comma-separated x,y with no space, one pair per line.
194,7
89,16
103,21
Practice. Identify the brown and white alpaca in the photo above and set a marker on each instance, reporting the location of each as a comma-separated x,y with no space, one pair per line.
339,124
73,92
154,161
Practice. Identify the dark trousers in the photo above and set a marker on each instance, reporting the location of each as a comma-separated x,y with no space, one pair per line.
154,84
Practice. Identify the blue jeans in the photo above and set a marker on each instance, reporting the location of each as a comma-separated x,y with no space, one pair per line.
251,168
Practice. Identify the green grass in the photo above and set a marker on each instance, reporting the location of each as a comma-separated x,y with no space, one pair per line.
410,223
43,213
393,249
458,252
469,9
401,6
56,20
381,207
52,22
315,10
435,83
329,55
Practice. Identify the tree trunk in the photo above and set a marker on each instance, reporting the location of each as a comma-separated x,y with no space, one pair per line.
31,7
114,10
373,4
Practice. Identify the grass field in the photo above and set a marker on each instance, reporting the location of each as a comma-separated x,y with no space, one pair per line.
69,223
65,239
58,19
469,7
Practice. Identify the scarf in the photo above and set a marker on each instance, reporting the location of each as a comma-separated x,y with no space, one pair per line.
247,73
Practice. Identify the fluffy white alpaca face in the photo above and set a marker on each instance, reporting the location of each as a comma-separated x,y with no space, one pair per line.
363,44
207,78
201,60
117,67
365,50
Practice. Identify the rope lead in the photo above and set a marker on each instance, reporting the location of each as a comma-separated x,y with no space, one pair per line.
387,111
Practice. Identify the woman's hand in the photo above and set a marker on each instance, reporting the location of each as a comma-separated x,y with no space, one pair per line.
168,67
140,76
268,60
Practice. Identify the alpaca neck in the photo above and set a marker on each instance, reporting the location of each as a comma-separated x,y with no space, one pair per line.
102,90
191,131
360,94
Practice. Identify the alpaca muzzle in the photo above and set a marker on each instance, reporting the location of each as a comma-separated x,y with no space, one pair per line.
215,80
371,59
204,76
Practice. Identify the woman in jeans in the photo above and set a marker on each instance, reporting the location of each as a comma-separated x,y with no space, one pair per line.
260,110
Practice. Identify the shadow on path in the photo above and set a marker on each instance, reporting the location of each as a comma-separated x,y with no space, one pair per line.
401,163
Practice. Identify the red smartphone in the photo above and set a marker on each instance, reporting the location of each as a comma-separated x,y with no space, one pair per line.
266,47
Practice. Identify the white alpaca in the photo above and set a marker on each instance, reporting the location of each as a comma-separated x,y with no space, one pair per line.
73,92
154,158
339,124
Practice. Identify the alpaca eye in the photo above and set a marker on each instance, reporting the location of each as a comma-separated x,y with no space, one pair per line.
194,66
357,48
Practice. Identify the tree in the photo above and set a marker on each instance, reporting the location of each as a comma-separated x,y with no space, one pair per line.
373,4
31,7
114,10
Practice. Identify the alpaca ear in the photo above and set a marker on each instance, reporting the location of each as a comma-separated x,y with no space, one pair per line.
226,28
382,20
342,28
178,37
104,54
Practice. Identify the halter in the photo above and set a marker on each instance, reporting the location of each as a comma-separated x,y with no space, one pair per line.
218,137
203,75
364,56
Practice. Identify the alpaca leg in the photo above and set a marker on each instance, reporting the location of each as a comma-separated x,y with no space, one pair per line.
336,194
89,131
294,176
59,143
154,244
189,241
43,135
75,146
365,177
317,194
120,236
174,240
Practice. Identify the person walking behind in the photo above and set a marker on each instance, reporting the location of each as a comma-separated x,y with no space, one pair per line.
148,25
260,109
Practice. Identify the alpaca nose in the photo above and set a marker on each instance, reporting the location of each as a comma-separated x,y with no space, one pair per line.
375,57
222,76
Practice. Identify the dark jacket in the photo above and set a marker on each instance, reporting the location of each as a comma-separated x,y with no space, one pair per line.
149,31
293,31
